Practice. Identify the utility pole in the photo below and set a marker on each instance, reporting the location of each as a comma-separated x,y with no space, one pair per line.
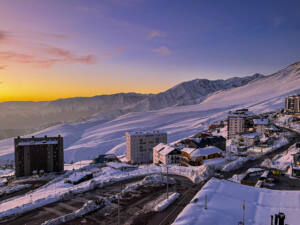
119,209
167,183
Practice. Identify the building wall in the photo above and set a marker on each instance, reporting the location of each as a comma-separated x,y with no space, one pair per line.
292,103
236,125
139,148
47,157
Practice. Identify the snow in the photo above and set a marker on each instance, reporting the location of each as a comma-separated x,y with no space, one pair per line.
260,204
57,189
282,161
205,151
188,150
260,121
145,132
45,142
77,176
86,140
11,189
116,165
3,182
77,165
166,149
165,203
251,135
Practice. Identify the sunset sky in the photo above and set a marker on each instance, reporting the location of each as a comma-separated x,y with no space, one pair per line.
53,49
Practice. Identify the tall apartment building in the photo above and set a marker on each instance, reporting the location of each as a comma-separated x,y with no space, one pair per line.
140,144
292,103
38,153
239,122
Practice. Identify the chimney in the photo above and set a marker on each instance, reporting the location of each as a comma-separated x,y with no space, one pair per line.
18,137
45,136
32,137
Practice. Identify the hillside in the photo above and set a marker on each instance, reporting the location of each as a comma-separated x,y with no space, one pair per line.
86,140
19,118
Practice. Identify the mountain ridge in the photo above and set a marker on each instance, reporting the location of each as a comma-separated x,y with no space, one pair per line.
22,117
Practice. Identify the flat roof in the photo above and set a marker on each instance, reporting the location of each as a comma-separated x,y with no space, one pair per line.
146,132
45,142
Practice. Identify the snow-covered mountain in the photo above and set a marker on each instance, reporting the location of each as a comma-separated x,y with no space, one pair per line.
19,118
85,140
191,92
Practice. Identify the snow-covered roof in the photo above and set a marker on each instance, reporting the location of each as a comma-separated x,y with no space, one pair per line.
241,113
168,149
260,203
260,121
45,142
188,150
205,151
117,165
145,132
251,135
164,149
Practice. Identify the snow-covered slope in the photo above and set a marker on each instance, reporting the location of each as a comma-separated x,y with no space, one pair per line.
18,118
260,204
191,92
86,140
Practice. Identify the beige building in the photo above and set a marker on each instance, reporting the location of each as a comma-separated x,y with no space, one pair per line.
239,122
38,154
140,144
292,103
166,154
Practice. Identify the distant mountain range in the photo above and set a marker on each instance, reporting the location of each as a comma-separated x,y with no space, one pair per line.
184,110
18,118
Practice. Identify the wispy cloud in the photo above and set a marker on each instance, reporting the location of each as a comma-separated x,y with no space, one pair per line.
50,57
156,33
163,50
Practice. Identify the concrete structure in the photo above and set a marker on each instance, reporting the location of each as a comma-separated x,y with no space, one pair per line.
38,154
239,122
139,145
166,154
260,125
292,103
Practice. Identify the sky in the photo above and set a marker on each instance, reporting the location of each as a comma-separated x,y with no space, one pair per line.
52,49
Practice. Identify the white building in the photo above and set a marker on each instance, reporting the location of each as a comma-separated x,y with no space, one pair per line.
166,154
139,145
238,122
